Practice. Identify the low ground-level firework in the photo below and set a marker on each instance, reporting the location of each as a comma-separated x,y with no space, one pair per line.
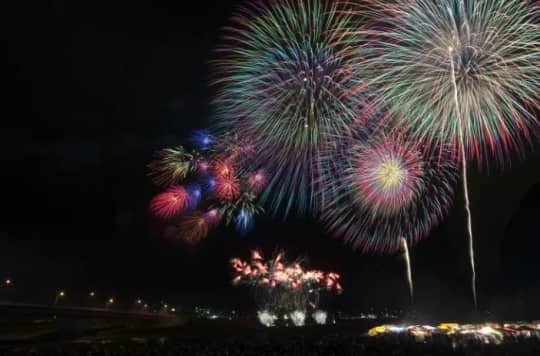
284,288
386,189
461,74
286,81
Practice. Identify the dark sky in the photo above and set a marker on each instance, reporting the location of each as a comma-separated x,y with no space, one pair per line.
91,88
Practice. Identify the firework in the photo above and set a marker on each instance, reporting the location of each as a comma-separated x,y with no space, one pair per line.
171,165
267,318
193,227
384,189
463,74
286,81
482,55
408,271
281,285
216,181
387,175
320,317
227,188
170,203
257,181
298,317
202,140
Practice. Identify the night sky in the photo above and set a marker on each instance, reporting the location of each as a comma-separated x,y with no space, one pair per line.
92,88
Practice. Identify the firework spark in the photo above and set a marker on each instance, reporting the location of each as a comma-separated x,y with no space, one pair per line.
286,81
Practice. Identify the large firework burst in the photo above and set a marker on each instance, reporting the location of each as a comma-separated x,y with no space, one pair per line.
384,190
286,81
456,70
463,74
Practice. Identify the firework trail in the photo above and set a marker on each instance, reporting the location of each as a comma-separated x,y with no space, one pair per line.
460,74
465,181
286,81
408,271
384,189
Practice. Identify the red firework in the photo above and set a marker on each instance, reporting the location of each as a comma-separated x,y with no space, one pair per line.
227,188
223,168
170,203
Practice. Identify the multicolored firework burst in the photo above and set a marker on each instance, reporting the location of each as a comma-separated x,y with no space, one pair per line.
461,74
387,175
215,185
386,189
286,81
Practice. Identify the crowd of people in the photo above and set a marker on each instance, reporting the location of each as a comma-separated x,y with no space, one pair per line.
327,346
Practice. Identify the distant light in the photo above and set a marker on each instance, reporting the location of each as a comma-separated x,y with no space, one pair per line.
139,301
92,294
62,294
173,310
8,282
111,301
145,306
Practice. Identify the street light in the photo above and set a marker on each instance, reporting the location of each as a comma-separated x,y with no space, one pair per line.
139,301
8,282
110,301
59,295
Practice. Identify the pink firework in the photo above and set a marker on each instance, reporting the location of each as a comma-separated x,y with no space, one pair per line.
386,174
257,181
212,217
277,273
170,203
227,188
203,166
